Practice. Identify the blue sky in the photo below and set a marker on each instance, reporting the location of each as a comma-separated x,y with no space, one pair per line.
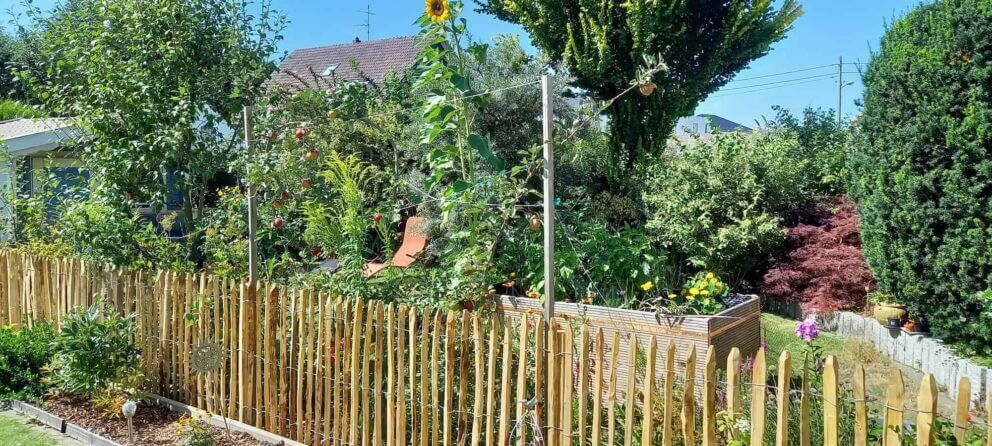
827,30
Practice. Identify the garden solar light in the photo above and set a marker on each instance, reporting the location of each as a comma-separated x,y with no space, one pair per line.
128,409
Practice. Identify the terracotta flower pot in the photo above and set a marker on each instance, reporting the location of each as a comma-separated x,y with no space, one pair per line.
885,310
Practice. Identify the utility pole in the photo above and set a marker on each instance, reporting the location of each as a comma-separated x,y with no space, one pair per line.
252,200
840,89
548,174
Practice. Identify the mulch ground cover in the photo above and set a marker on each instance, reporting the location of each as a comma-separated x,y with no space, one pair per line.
153,425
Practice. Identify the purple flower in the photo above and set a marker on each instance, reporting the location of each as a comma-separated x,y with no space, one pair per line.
807,329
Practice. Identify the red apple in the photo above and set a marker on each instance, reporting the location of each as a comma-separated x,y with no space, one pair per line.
312,155
534,223
284,195
277,204
377,218
278,222
306,183
300,133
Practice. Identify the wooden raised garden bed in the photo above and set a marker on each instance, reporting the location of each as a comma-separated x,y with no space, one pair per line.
738,326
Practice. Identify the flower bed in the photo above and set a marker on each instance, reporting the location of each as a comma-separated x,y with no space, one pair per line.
738,326
153,424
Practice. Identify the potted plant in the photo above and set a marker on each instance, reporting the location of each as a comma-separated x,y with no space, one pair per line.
884,309
909,325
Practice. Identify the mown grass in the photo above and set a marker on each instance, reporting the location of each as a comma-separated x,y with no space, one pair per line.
13,431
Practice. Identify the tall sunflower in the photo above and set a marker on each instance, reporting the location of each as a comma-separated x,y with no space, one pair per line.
438,10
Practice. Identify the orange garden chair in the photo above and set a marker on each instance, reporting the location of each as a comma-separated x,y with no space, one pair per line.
414,244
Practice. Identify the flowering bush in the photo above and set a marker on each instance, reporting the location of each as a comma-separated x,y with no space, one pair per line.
703,293
824,268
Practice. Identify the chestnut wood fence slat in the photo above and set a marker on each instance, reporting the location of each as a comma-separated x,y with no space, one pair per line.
327,371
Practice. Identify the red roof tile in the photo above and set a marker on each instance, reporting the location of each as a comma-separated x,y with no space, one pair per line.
375,58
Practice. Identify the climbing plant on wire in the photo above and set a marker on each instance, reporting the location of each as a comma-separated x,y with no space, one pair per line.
604,44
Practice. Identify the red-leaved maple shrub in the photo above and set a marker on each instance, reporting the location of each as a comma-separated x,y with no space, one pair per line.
823,268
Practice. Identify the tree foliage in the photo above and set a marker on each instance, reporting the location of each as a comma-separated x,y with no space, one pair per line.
155,83
720,203
925,176
604,45
824,268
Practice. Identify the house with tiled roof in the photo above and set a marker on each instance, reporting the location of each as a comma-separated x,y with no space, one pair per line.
358,61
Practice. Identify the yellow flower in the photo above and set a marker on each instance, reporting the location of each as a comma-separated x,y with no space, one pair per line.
710,276
690,297
705,292
533,294
671,296
438,10
694,291
647,286
712,279
719,287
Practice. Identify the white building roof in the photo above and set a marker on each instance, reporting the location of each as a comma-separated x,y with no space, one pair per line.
26,136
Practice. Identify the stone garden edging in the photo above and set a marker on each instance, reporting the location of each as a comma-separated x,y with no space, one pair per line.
85,436
919,352
78,433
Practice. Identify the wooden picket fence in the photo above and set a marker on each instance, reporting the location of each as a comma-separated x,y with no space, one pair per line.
324,370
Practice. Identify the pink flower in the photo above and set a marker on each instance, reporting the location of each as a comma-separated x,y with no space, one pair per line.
807,329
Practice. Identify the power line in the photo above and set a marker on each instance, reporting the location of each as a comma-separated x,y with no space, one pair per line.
782,73
818,76
801,70
831,77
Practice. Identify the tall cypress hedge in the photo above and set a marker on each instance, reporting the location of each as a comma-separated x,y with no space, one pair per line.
925,167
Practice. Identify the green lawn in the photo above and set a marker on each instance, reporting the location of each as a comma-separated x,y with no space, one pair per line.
14,431
780,335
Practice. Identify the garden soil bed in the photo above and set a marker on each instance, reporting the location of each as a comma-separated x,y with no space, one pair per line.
153,425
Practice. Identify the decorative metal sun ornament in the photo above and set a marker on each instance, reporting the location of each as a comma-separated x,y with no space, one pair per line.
207,357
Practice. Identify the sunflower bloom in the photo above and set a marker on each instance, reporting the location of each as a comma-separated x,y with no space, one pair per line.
438,10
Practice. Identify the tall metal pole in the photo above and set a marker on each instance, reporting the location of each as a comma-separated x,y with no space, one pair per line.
840,89
548,170
252,200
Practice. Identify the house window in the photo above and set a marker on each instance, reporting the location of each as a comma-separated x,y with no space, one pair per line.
66,176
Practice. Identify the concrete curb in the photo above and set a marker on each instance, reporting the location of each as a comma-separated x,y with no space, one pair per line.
77,433
218,421
922,353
